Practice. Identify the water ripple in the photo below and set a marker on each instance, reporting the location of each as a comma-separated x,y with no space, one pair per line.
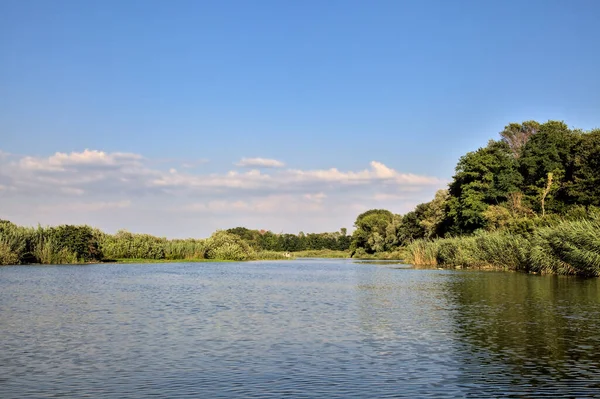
298,329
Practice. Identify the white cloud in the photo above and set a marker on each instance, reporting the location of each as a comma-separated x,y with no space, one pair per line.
318,197
60,161
41,189
194,164
260,163
72,191
264,205
86,206
378,171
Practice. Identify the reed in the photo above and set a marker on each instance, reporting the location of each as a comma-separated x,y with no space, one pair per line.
321,253
570,248
271,255
422,252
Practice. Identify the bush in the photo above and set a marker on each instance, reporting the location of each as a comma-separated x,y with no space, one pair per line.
225,246
78,241
13,244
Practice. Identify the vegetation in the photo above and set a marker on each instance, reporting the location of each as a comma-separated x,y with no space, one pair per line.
529,202
269,241
321,253
83,244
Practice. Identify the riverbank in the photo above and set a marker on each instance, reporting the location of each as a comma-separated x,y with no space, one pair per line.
68,244
569,248
321,253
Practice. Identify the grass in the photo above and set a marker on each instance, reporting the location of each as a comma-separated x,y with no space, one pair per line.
321,253
569,248
67,244
394,255
141,260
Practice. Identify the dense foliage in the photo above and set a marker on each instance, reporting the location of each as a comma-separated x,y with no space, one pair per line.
61,244
530,197
529,201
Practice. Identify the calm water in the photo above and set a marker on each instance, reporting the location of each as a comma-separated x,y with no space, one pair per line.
305,329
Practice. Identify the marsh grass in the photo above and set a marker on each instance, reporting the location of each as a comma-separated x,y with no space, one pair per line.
321,253
570,248
272,255
68,244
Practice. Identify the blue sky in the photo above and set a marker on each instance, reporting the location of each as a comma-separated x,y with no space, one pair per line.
169,96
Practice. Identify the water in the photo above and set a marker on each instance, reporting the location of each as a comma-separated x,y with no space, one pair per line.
302,329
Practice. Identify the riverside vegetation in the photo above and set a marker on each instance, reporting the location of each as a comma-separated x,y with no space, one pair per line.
69,244
527,202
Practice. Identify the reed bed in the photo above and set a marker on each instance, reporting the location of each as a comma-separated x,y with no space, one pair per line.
68,244
569,248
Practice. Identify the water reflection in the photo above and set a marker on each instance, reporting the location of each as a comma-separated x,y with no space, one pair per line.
532,335
306,328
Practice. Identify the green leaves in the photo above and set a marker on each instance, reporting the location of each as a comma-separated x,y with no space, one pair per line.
483,177
370,233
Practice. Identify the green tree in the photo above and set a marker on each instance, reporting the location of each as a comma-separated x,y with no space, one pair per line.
80,240
483,177
410,228
550,150
585,186
516,135
434,214
367,224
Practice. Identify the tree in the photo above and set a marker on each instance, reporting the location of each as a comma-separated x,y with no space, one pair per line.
516,135
434,214
585,186
550,150
367,224
483,177
410,228
77,239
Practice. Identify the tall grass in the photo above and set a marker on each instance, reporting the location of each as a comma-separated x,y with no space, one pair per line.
13,244
321,253
571,247
271,255
81,244
422,252
47,245
48,252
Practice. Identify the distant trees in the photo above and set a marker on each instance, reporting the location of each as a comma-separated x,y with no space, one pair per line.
269,241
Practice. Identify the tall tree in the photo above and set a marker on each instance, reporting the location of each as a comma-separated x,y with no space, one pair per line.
585,186
548,151
434,214
516,135
370,230
483,177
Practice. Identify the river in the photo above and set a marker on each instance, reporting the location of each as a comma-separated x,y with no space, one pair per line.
308,328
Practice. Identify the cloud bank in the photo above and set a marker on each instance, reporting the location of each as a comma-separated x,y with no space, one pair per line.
260,163
126,190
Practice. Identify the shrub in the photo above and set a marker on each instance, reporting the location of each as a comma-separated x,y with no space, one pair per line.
79,241
225,246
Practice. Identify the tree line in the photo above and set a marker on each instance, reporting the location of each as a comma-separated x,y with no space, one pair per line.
539,179
269,241
68,244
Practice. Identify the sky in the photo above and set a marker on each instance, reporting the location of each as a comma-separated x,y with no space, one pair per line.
178,118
